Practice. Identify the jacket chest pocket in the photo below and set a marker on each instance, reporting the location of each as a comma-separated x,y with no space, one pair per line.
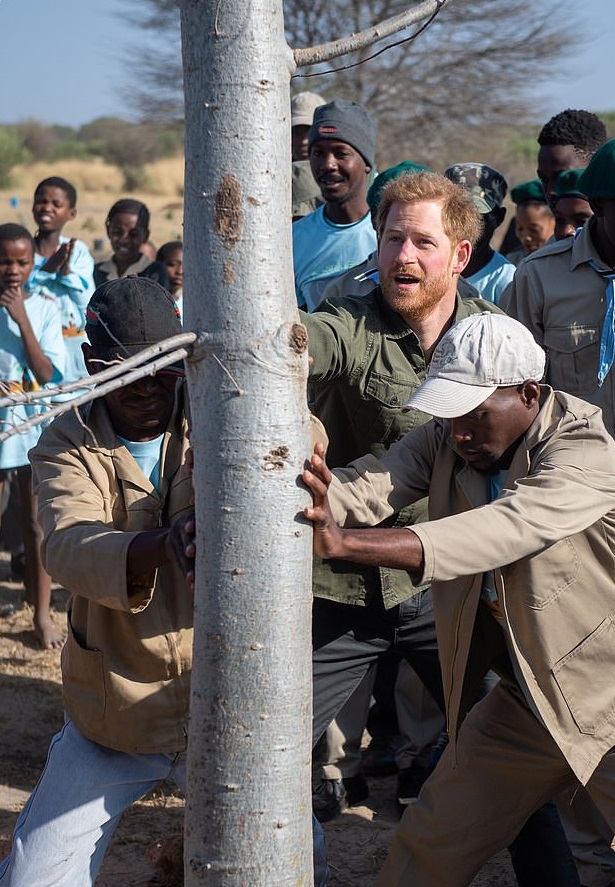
380,407
572,359
560,570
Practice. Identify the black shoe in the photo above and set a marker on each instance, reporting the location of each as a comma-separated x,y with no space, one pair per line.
329,799
332,796
409,784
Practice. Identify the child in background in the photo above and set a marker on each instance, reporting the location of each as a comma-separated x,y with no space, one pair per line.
32,355
171,255
534,221
63,267
128,230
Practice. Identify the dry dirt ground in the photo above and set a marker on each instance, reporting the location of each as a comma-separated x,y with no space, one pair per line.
30,703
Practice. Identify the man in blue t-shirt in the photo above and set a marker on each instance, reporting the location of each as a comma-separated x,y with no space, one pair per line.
338,235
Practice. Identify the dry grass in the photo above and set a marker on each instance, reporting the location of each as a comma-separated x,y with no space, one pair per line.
99,185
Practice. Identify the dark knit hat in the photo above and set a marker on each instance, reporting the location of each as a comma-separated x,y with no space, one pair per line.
567,184
347,122
598,179
126,315
393,172
528,191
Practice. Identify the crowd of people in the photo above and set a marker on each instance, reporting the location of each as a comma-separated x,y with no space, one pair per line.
463,505
46,281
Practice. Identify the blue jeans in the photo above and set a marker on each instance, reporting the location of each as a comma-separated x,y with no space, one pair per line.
65,828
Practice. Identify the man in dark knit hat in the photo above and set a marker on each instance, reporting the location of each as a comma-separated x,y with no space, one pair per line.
339,234
115,502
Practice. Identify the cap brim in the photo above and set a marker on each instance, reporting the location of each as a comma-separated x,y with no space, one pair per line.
447,399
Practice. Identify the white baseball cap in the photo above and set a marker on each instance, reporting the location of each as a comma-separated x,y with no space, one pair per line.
473,359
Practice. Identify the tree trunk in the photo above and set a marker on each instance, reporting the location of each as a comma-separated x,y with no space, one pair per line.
248,801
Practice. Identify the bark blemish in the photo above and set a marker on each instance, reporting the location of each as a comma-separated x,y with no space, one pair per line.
298,338
276,458
228,214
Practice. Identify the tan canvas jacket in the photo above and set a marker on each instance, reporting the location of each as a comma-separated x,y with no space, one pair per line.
550,539
126,662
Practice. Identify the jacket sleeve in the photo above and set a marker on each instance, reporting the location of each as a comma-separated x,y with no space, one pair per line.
81,549
369,489
332,342
570,486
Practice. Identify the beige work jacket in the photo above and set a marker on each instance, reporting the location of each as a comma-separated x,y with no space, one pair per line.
550,540
126,662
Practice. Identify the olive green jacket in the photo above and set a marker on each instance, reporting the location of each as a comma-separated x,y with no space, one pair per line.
365,364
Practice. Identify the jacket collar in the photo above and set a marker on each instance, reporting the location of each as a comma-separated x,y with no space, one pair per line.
583,249
101,437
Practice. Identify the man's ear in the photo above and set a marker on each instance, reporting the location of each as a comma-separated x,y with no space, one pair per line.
529,392
461,256
72,212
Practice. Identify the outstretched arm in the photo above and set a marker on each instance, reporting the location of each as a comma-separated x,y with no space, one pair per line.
390,547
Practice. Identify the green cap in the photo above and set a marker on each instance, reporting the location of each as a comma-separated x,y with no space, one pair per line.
393,172
528,191
567,184
598,179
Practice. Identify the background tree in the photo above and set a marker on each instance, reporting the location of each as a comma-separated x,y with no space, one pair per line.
12,152
476,68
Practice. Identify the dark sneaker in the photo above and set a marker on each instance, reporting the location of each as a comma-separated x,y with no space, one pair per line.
409,784
329,799
332,796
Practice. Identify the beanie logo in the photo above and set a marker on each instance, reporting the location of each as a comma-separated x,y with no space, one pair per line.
327,129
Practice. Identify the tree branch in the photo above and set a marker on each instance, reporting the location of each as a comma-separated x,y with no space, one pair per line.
314,54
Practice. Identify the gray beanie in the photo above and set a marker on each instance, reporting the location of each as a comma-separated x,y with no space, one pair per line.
347,122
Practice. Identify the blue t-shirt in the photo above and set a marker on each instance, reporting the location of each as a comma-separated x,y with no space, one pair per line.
146,454
322,250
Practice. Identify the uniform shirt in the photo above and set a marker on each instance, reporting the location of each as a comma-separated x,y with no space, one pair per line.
561,299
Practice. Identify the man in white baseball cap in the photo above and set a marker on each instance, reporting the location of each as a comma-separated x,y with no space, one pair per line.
519,553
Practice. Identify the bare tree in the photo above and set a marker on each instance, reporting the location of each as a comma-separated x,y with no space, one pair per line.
476,66
248,802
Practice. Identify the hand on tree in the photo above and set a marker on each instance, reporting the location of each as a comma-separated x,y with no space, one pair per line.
180,545
328,537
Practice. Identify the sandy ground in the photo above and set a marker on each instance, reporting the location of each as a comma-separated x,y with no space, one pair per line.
140,855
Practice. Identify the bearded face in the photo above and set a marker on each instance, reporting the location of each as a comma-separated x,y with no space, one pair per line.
418,264
412,292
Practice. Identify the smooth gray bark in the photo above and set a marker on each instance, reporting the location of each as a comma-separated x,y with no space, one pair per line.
248,814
